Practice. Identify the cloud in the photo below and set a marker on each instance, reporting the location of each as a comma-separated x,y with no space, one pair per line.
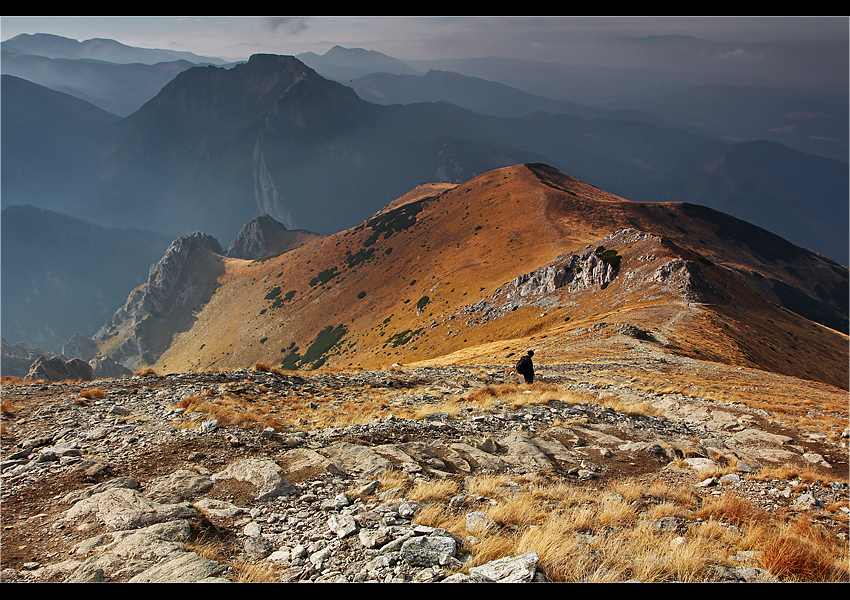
286,25
739,54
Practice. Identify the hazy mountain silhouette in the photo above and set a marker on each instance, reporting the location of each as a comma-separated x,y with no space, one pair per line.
772,185
118,88
811,122
62,275
218,147
51,146
56,46
345,64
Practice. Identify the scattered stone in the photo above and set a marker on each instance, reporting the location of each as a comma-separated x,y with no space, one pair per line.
311,503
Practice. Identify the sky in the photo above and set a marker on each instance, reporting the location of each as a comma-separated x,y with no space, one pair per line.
802,47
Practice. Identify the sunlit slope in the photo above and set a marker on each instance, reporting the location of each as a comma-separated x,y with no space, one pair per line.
433,274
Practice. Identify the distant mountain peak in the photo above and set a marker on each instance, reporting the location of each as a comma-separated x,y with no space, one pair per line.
57,46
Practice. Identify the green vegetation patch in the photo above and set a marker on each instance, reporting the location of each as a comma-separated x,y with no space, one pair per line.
360,256
324,277
609,257
318,352
402,338
395,220
278,301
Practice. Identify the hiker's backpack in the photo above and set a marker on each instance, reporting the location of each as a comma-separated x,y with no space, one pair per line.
522,367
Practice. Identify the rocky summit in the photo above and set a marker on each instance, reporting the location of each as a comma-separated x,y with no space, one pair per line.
416,474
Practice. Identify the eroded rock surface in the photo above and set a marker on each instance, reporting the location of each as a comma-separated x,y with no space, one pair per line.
118,489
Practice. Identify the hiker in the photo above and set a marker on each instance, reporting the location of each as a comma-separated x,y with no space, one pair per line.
525,367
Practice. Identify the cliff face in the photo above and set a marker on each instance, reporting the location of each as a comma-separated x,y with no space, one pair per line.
265,236
177,287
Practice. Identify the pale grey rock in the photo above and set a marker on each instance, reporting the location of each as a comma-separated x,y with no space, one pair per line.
265,475
179,486
357,459
478,459
513,569
375,538
701,465
342,525
218,509
757,436
479,523
522,452
186,567
427,551
304,463
125,508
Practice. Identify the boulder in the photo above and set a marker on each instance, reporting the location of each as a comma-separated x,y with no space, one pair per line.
54,368
265,475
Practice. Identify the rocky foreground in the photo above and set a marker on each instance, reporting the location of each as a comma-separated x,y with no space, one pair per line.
124,485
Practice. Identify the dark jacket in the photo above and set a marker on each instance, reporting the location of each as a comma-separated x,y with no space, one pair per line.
525,367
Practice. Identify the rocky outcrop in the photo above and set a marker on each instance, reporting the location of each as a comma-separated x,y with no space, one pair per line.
310,505
592,269
54,368
689,281
162,288
80,346
177,287
254,238
264,236
576,272
103,367
17,358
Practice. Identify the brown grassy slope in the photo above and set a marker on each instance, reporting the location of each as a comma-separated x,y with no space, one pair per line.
459,243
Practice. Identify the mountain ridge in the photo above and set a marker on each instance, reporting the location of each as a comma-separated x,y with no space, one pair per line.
326,164
416,281
56,46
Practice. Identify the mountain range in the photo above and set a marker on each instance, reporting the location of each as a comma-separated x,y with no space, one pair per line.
519,257
217,146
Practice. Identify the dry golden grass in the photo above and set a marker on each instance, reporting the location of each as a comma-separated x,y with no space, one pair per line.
255,572
393,482
607,535
145,372
434,490
93,393
8,408
806,474
732,509
490,486
801,551
229,409
243,571
338,409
